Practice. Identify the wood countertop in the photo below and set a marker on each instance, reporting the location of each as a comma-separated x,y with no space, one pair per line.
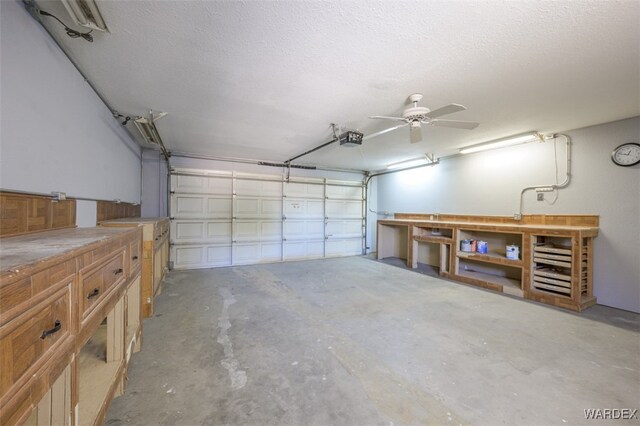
26,251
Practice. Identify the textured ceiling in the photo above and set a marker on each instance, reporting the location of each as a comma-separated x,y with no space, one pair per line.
264,79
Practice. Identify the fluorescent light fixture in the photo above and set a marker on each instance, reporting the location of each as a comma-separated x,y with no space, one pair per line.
409,163
501,143
85,13
148,130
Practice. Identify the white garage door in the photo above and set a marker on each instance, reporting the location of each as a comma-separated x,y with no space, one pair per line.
230,218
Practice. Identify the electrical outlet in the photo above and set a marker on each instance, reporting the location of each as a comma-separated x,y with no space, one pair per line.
540,196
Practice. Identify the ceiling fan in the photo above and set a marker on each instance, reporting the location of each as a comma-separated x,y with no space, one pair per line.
416,116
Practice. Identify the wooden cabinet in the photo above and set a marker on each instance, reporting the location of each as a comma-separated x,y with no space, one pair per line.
554,266
63,300
155,255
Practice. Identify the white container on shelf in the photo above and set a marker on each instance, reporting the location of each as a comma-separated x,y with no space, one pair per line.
513,252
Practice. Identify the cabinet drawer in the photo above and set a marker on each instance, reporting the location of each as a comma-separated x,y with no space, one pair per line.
161,231
32,336
98,281
114,271
136,255
20,295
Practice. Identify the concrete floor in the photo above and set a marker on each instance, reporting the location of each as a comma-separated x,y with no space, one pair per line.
352,341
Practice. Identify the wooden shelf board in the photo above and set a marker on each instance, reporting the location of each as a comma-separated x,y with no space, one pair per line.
490,258
551,262
541,286
555,250
509,285
95,376
432,239
550,273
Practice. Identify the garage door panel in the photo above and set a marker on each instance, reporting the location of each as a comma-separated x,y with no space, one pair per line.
344,209
257,208
182,183
251,253
200,256
219,255
301,208
304,190
344,228
193,206
188,256
219,232
200,231
304,229
185,231
187,205
201,184
220,185
347,192
258,188
258,231
303,249
219,207
344,247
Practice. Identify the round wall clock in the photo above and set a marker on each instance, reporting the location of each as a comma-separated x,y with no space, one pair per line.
627,154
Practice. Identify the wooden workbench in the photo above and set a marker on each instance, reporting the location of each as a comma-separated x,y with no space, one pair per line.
69,321
556,252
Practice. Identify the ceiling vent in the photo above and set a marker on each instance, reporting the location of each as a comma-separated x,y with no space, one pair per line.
85,13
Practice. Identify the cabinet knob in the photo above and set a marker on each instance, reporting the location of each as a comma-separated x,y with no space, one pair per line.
57,325
94,293
118,271
134,258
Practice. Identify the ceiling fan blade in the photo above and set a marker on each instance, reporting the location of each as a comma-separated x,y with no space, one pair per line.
449,109
382,132
469,125
415,134
389,118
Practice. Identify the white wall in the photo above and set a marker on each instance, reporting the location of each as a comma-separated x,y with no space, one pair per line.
154,184
490,183
55,133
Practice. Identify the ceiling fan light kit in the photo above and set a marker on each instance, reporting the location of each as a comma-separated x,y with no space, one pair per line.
503,142
415,116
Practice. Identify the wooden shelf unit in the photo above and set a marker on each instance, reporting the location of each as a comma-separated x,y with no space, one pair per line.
63,314
155,255
556,252
435,242
492,269
561,271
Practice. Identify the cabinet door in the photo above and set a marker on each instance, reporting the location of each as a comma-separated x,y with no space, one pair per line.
54,409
